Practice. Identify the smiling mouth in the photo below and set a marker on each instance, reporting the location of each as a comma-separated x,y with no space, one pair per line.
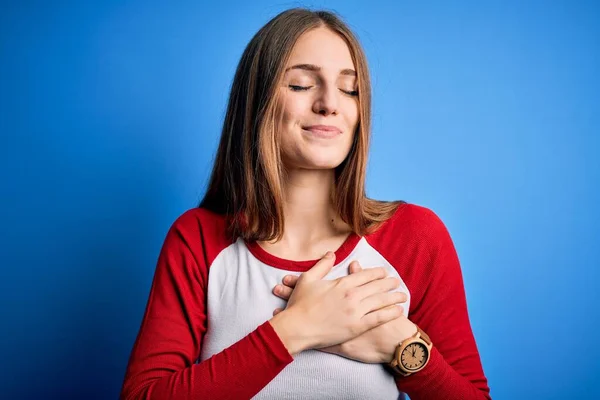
322,133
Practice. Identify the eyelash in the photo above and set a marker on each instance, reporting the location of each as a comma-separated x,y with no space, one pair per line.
297,88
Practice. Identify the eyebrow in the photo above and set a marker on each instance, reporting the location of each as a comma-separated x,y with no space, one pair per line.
312,67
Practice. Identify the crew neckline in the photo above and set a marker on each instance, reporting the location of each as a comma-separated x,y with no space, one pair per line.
301,265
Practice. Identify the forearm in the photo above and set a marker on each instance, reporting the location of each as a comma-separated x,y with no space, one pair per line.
438,380
223,376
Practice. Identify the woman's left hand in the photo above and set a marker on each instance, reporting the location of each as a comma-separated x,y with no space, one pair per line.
375,346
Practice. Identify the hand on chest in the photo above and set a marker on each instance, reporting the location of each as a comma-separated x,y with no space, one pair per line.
240,289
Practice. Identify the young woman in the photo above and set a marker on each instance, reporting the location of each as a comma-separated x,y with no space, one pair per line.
372,305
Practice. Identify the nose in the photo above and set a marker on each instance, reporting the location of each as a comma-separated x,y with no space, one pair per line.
327,100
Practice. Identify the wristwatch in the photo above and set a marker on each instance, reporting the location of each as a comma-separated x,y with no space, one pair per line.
412,354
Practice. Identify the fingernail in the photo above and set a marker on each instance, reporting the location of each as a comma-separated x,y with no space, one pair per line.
329,254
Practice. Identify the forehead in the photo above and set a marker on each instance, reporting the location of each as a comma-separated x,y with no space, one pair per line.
322,47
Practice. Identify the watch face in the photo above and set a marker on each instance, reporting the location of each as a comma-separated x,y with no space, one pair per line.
414,356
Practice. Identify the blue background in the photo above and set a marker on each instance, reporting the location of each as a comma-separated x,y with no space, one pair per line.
110,112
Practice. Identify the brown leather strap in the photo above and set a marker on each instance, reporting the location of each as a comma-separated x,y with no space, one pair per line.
425,337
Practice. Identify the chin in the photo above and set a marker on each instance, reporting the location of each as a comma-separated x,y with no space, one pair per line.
323,162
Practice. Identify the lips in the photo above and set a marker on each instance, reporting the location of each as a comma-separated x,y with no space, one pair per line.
323,131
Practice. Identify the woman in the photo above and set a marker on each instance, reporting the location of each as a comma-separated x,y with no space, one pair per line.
376,308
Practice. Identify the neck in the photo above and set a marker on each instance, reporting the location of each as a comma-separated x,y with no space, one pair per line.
308,211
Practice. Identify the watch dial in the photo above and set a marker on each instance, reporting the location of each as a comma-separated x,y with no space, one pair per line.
413,356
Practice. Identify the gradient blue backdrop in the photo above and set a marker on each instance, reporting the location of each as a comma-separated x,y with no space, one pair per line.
486,112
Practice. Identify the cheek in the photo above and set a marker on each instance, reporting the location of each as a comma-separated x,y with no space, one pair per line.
353,112
293,109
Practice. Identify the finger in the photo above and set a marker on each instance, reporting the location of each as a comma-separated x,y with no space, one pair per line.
282,291
277,311
374,287
290,280
382,316
321,268
364,276
354,267
381,300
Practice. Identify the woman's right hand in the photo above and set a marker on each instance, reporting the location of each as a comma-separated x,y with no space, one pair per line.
322,313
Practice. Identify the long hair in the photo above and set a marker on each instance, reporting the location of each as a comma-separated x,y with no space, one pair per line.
248,174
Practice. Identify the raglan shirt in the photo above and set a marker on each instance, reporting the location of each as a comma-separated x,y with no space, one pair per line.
205,333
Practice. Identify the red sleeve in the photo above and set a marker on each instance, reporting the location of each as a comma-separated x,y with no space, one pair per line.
454,370
162,362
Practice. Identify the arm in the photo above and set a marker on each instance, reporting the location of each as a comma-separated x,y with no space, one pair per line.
454,370
162,362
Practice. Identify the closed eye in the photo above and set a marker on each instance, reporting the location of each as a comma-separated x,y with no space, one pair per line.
297,88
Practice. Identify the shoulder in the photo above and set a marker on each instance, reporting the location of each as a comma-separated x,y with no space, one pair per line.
413,219
202,231
198,219
417,243
412,229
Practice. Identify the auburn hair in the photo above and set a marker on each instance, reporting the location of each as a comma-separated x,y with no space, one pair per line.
247,179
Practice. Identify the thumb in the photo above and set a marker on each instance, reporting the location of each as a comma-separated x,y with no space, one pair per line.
321,268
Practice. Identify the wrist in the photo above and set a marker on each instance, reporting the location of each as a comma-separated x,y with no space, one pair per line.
398,337
287,326
412,354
